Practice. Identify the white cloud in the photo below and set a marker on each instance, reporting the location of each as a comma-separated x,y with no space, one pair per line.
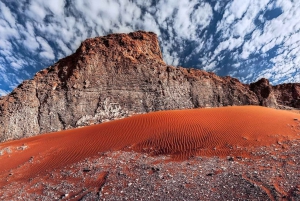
184,17
36,11
217,6
63,47
7,15
16,65
30,43
5,45
281,32
3,92
202,15
238,8
229,44
183,21
149,24
55,6
46,50
211,66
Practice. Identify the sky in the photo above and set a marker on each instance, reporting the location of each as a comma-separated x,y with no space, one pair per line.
246,39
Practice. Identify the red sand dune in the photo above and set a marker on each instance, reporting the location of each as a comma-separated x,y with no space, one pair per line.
180,133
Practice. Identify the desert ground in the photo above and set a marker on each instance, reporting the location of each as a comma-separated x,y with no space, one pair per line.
228,153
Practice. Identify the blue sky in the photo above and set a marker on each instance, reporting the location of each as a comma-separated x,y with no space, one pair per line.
246,39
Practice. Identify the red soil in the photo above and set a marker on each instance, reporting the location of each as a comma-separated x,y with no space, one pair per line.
181,133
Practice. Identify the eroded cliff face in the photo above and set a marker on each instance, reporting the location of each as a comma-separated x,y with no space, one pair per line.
288,94
116,76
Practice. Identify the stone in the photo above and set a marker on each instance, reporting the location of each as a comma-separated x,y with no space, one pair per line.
119,75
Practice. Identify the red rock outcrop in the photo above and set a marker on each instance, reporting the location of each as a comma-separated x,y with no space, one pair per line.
116,76
280,96
264,92
288,94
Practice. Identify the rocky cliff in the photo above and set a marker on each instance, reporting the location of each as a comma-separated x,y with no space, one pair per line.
119,75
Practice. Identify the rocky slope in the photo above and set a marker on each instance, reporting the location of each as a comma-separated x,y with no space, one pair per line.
119,75
267,175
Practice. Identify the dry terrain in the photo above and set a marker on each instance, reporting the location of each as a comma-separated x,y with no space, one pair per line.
228,153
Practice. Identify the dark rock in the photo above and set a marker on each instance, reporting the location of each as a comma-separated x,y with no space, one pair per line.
288,94
154,169
264,92
86,170
230,158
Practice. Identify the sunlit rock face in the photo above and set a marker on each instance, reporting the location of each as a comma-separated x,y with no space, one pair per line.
119,75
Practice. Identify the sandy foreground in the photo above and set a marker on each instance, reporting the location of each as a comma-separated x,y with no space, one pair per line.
240,152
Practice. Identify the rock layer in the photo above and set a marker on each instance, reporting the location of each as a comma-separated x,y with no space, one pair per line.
119,75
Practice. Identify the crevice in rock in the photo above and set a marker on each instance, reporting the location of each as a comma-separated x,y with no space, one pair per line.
103,178
39,109
60,118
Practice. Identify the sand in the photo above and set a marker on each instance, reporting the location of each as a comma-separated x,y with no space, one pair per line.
180,134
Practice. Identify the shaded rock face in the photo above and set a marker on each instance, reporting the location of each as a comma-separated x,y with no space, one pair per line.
264,92
119,75
288,94
280,96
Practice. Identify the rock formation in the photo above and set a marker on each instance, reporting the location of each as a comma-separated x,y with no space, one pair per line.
264,92
119,75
